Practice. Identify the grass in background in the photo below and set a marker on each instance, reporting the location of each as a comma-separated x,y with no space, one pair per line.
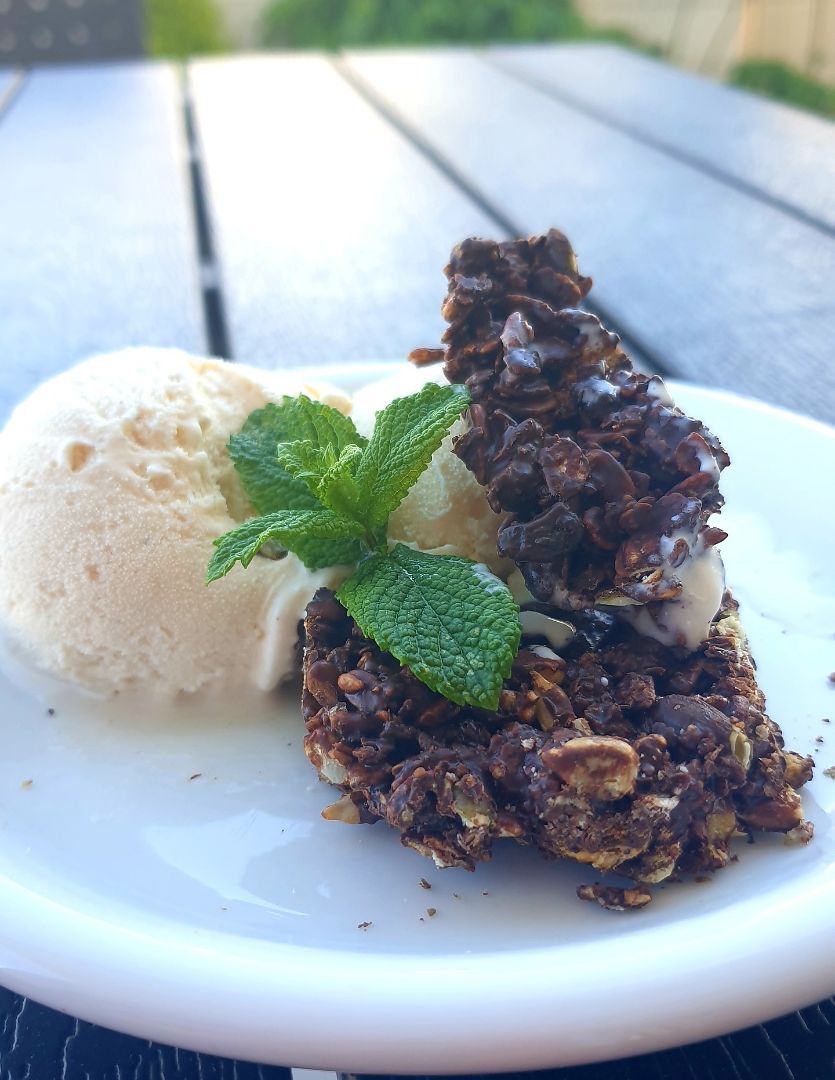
778,81
178,29
335,24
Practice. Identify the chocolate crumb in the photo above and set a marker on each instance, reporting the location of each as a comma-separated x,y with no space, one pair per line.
431,911
422,357
363,925
831,676
50,711
485,893
819,738
424,884
456,896
421,918
614,899
825,720
26,783
194,776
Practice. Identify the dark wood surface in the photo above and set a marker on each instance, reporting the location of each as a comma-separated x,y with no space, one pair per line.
772,151
294,210
330,228
98,246
706,279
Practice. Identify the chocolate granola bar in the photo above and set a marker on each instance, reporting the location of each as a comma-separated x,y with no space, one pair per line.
631,735
608,485
618,752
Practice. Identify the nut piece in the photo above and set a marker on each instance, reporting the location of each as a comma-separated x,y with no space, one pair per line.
597,766
614,899
344,809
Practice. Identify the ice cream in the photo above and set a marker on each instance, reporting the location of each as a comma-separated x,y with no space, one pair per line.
446,511
114,481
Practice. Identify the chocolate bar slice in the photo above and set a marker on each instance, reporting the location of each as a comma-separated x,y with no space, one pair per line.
618,751
608,486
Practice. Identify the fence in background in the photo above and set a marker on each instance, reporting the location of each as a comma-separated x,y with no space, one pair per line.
713,35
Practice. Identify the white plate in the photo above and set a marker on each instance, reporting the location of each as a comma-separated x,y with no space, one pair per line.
221,913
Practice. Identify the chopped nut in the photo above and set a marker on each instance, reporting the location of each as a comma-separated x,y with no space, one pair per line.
424,884
741,748
344,809
598,766
431,912
800,834
350,683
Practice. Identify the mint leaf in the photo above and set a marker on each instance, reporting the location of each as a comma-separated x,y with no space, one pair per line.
300,419
406,435
268,485
330,477
448,619
319,537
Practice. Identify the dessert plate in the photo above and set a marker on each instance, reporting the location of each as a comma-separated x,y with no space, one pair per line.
168,873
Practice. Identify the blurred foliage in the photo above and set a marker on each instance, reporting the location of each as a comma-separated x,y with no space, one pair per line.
182,28
334,24
784,83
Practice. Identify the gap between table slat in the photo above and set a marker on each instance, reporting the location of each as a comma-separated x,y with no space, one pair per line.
727,290
95,215
331,229
775,153
640,352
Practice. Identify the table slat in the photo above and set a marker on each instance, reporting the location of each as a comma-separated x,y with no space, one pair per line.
96,220
722,289
330,228
786,154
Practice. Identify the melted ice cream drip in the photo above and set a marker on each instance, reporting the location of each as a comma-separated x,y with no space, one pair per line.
685,621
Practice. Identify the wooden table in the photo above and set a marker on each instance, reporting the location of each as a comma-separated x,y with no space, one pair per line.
298,210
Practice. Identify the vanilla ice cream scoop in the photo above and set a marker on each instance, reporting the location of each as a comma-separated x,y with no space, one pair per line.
114,481
446,511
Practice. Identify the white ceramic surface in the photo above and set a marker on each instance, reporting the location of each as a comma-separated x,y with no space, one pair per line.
169,875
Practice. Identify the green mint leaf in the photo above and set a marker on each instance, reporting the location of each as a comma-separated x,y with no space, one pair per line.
448,619
303,419
268,485
406,435
328,476
319,537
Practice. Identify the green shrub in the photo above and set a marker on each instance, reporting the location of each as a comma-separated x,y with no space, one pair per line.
333,24
182,28
784,83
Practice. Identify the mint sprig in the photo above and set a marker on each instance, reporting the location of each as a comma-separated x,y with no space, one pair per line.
325,493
